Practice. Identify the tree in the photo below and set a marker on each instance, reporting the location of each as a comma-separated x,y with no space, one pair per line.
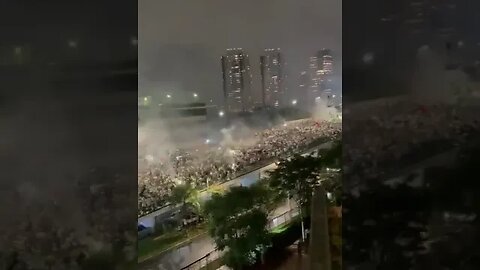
237,221
186,195
297,177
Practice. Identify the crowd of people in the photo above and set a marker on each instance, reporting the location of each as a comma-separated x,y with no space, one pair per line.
93,225
222,162
401,133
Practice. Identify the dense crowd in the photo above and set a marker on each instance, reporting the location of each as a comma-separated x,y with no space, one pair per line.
71,236
401,133
219,163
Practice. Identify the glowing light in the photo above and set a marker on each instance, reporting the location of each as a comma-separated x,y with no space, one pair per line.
221,113
145,98
169,96
178,181
72,44
195,95
294,102
207,141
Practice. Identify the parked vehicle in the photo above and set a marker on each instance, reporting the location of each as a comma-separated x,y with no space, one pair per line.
143,231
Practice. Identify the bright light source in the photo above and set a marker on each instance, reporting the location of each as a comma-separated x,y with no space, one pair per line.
195,95
145,98
179,181
334,96
169,96
221,113
207,141
294,102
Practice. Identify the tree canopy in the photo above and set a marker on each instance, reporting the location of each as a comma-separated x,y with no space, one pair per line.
237,221
186,195
296,177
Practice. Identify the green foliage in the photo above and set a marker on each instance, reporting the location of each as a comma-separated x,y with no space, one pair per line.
187,195
298,176
237,221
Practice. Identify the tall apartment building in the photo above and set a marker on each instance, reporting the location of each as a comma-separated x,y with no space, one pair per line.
271,68
237,81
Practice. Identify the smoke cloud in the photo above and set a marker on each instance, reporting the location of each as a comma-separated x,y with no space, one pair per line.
321,111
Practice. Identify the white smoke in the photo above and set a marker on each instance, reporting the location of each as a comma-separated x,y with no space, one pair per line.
154,141
321,112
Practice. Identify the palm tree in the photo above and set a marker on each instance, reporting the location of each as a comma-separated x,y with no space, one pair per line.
186,195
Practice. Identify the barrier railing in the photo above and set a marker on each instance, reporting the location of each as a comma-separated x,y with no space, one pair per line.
203,263
248,169
283,218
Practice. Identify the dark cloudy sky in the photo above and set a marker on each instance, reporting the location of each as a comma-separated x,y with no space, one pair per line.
180,42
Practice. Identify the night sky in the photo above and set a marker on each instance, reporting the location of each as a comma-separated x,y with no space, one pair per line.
180,42
103,29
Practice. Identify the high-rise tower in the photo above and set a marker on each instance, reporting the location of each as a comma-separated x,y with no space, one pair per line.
237,81
271,67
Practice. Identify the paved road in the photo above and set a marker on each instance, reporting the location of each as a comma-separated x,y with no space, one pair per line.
201,246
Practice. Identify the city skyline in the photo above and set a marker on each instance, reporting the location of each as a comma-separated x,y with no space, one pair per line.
187,59
273,91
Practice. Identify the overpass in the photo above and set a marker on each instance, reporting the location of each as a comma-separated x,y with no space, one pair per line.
245,179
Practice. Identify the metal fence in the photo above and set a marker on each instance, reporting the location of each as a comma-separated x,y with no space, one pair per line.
283,218
203,263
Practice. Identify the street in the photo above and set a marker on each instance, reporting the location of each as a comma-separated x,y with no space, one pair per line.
201,246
